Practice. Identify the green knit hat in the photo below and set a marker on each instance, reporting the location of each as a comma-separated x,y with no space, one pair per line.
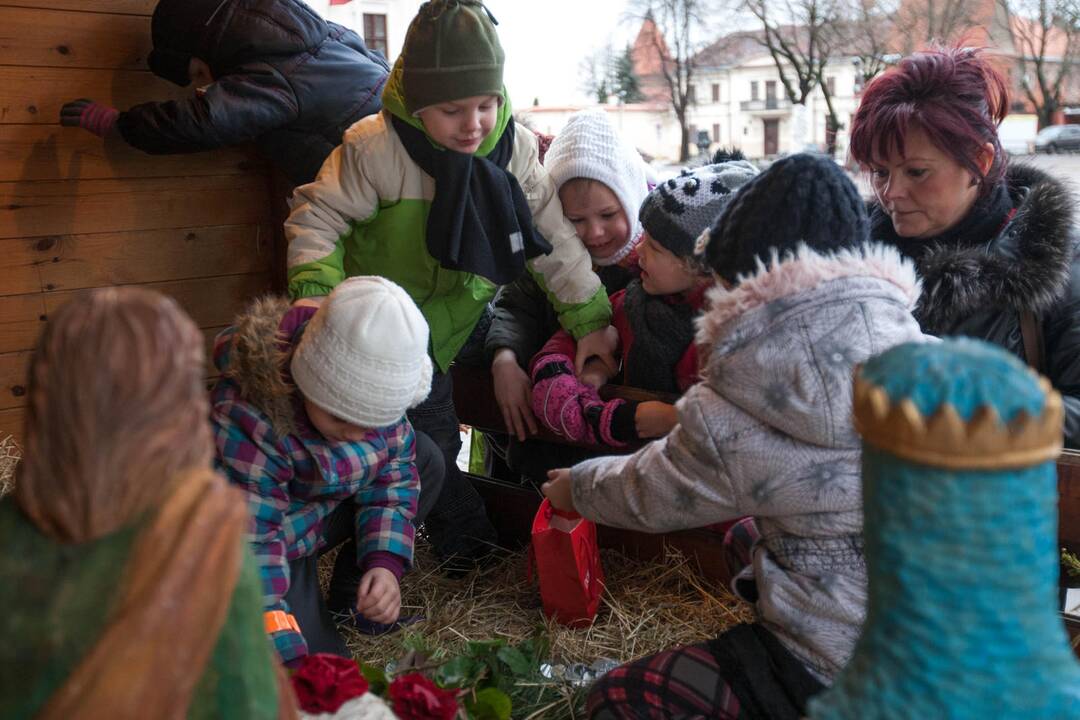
451,52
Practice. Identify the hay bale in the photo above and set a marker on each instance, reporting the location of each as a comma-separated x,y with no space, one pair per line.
10,453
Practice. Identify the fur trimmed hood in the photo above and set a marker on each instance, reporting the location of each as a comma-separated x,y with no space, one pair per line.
798,272
782,344
1025,267
256,357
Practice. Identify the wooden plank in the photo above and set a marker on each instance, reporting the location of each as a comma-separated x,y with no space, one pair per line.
35,94
211,302
11,423
93,206
52,152
14,366
1069,499
60,38
72,262
13,379
130,7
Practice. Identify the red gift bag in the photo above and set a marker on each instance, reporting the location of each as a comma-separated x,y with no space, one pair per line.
567,562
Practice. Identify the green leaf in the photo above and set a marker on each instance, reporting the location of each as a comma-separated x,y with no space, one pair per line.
458,672
375,676
517,661
479,648
490,704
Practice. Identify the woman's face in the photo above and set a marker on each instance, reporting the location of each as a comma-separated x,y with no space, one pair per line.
925,191
597,216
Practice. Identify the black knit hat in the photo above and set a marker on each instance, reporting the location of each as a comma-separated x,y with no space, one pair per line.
178,30
801,198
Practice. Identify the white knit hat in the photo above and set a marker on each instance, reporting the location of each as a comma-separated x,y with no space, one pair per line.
364,355
590,147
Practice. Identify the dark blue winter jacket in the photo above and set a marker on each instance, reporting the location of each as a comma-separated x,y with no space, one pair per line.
284,78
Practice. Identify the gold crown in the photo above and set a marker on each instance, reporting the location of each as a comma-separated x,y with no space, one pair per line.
945,440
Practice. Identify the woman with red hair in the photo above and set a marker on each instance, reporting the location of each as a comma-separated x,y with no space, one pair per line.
994,243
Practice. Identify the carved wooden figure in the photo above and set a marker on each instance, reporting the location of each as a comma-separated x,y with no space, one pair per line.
960,502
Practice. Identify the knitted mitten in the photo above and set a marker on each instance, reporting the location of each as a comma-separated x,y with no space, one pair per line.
555,396
87,114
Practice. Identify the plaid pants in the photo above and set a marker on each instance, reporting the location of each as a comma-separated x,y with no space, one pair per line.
683,682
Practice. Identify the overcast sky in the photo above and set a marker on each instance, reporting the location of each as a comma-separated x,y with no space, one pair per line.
546,40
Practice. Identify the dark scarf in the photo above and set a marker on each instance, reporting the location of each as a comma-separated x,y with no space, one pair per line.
981,225
479,221
662,332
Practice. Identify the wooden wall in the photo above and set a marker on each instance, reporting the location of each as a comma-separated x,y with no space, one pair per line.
78,213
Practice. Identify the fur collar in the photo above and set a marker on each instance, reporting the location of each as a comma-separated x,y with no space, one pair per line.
1026,267
258,362
803,270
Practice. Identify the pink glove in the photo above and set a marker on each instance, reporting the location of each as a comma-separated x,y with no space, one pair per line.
557,398
89,115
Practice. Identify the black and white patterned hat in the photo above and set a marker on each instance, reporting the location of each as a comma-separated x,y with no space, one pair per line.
678,210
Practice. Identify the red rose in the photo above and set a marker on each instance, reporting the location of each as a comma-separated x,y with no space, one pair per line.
325,682
414,697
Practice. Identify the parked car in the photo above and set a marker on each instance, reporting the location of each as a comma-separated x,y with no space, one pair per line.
1058,138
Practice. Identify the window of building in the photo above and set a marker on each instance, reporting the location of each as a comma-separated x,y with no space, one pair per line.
754,90
691,93
693,133
375,33
830,83
716,92
716,132
770,89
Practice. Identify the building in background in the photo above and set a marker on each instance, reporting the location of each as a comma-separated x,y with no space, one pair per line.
382,23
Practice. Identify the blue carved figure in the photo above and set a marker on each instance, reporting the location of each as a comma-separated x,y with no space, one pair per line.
960,503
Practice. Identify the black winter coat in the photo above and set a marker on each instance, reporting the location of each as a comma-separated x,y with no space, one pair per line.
524,319
977,286
284,77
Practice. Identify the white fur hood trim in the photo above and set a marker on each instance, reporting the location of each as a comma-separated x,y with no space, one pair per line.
801,270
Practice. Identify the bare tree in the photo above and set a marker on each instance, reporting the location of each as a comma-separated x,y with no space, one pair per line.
868,34
1045,36
596,74
921,22
801,36
678,27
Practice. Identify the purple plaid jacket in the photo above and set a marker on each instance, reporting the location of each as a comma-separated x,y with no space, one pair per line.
296,478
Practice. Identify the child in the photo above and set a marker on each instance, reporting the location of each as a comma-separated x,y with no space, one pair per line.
128,588
271,71
602,181
440,194
332,459
767,433
654,317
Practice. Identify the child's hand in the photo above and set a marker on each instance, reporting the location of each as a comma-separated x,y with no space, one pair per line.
378,598
600,343
595,374
513,392
655,419
557,490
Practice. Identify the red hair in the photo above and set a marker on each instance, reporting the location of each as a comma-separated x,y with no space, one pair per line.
953,94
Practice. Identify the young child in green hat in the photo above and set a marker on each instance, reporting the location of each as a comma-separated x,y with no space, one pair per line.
440,194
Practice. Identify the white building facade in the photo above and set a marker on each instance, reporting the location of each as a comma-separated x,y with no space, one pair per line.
744,105
382,23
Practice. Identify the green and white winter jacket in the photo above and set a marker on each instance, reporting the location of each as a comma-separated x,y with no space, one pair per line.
366,214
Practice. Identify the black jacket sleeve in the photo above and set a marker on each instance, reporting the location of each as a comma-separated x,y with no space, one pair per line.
523,321
235,109
1061,330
